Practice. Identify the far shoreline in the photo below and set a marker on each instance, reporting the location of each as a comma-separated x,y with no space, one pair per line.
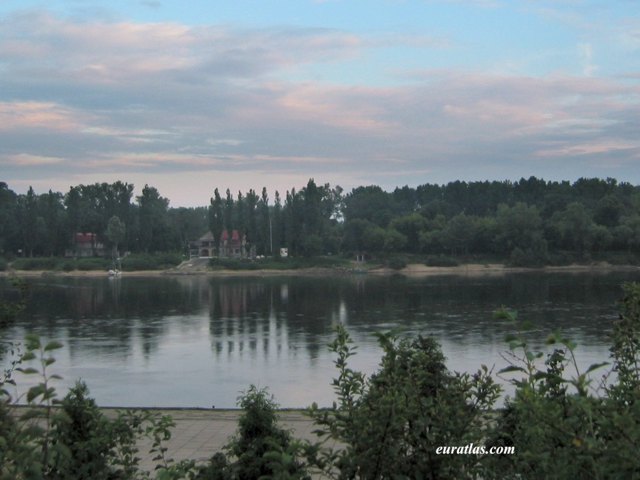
411,270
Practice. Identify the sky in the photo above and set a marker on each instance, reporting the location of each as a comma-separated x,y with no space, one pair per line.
192,96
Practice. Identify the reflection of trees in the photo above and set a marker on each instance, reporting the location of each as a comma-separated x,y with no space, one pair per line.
267,316
105,315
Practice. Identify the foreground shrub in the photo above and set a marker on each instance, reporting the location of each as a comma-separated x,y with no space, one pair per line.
260,449
561,424
74,441
391,423
86,436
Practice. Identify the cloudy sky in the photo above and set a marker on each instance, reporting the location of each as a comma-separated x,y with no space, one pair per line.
192,95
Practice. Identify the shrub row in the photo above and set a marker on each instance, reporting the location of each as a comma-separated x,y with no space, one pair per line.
138,261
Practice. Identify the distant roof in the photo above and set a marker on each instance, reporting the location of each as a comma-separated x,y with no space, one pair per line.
235,235
85,237
206,236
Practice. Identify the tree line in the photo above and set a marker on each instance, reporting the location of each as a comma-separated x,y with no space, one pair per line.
530,221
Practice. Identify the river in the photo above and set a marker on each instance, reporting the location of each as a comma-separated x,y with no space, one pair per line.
198,341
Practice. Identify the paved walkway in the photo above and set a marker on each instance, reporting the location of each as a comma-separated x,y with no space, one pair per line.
199,434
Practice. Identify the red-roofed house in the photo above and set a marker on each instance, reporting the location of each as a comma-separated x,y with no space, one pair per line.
232,245
86,245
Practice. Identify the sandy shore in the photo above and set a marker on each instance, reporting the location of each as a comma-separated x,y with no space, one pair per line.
413,270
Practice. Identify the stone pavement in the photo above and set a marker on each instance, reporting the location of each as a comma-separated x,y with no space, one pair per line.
199,433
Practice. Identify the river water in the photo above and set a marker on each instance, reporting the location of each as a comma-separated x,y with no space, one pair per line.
197,341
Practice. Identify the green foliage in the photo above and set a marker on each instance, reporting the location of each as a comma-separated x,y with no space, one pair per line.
87,264
115,232
440,261
36,263
389,425
151,261
84,435
233,264
60,264
397,262
260,449
530,222
560,424
75,441
625,350
278,263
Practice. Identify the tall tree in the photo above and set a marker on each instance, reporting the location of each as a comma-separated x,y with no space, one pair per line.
9,225
264,227
115,233
228,211
154,233
216,217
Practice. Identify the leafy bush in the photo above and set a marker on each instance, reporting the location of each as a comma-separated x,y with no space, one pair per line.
149,261
278,263
440,261
233,264
557,426
75,442
86,436
92,263
391,423
260,449
36,263
397,262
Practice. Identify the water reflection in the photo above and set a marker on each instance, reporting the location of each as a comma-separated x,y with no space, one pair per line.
194,341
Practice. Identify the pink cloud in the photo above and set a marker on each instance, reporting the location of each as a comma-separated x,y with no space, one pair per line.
26,160
594,148
31,114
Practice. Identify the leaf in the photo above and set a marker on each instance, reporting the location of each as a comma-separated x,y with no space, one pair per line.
595,366
27,371
34,392
28,356
32,341
531,356
512,368
53,345
510,337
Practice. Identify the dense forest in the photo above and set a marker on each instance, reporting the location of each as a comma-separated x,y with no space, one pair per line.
528,222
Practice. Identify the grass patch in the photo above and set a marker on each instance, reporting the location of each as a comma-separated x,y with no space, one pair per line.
37,263
150,261
278,263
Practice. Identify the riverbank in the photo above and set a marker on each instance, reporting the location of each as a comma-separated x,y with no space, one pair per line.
413,270
199,433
